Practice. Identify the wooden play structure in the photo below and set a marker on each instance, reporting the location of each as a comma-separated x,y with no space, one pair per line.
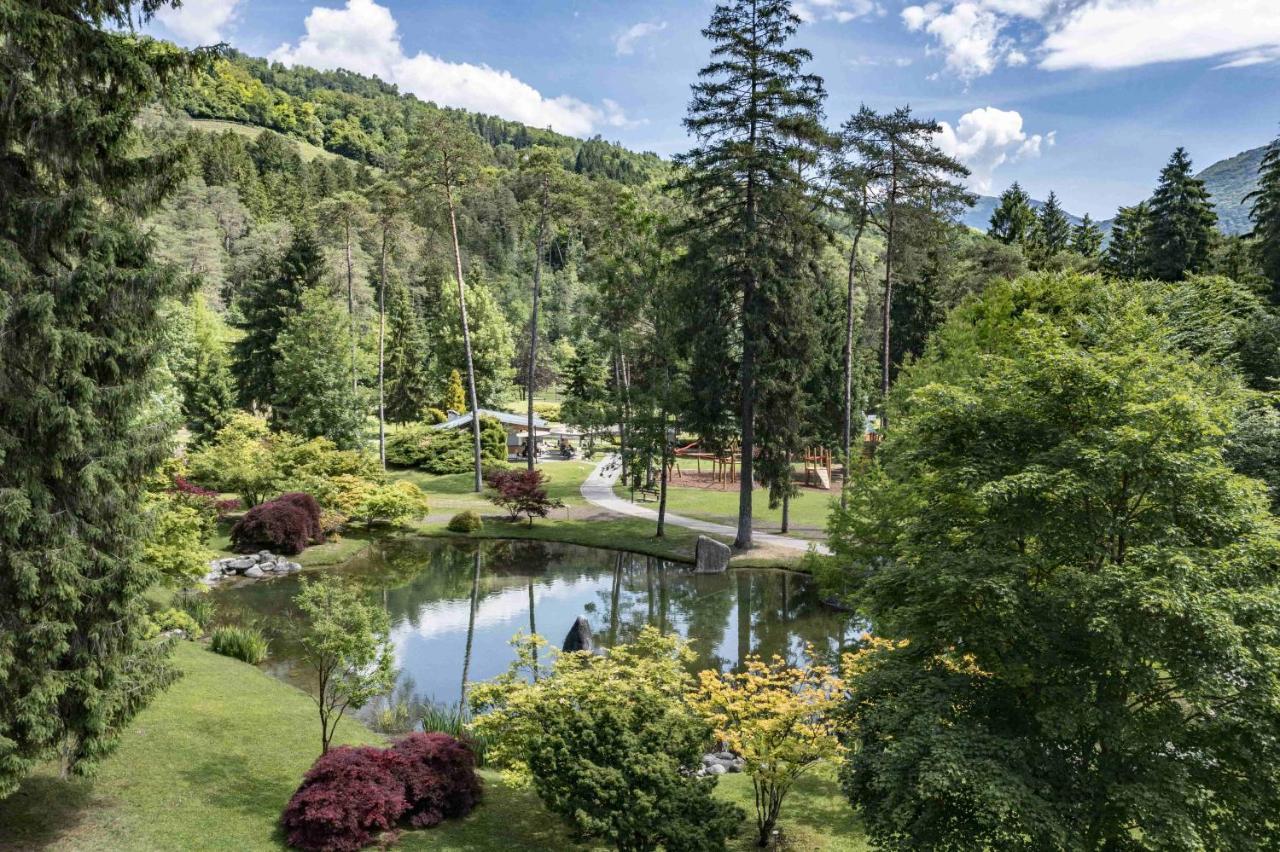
819,471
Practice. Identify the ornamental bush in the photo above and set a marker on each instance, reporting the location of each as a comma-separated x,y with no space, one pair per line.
521,492
347,796
445,451
439,777
286,524
465,522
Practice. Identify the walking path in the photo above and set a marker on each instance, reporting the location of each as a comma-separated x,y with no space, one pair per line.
597,490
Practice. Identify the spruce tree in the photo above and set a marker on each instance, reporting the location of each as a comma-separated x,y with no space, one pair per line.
1125,253
314,397
1055,229
408,376
80,339
1266,218
756,115
1180,235
208,394
1013,220
1086,238
267,301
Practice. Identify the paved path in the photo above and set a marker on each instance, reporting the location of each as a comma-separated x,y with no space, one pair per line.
597,490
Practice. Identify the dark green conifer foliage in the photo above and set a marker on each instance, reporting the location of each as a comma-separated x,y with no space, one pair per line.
1266,218
410,388
1086,238
756,115
1054,230
80,338
208,394
268,300
314,397
1125,253
1180,235
1013,221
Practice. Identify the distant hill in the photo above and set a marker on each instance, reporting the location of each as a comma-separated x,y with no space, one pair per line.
1228,182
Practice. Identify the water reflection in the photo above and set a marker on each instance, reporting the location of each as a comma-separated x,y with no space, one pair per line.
454,606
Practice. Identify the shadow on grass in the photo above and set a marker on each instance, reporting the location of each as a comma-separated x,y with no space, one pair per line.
45,810
233,783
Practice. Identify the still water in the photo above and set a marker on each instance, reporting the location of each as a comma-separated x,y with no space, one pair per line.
455,605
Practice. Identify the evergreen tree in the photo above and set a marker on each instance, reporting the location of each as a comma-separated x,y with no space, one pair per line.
1086,238
1013,220
344,216
208,396
1126,256
80,339
756,114
314,397
1266,218
267,301
409,386
1180,235
455,396
1054,232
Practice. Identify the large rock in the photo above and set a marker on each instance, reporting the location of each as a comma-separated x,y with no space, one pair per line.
710,556
579,638
253,573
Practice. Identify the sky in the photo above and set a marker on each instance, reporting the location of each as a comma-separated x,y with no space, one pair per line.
1084,97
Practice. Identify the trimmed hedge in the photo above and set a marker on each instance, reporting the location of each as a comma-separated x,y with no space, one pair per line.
465,522
352,793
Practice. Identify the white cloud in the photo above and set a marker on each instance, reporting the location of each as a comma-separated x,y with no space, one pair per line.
199,22
986,138
840,11
1109,34
625,44
978,36
363,37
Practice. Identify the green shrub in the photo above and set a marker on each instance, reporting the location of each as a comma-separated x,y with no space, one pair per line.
547,411
176,619
445,451
465,522
243,643
452,719
196,604
432,416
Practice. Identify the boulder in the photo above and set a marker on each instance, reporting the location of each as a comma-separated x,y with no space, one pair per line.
716,769
710,556
579,637
241,564
255,572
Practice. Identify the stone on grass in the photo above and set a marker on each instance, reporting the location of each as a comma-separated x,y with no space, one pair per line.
710,556
579,637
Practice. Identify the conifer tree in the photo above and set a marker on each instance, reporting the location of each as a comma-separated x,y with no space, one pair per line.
1086,238
409,384
1013,220
455,398
345,215
80,340
1054,230
756,115
208,395
1266,218
267,301
1177,242
1126,257
314,397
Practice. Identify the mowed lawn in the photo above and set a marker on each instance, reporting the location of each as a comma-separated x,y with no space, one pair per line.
212,762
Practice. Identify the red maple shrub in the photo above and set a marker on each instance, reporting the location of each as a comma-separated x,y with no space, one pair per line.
346,797
286,524
439,777
521,492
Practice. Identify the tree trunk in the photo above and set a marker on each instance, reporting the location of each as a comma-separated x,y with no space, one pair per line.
746,484
382,353
351,307
533,320
466,340
848,352
662,477
888,292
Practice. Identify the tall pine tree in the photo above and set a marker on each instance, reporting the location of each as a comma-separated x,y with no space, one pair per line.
1086,238
1054,231
267,301
1126,256
756,115
409,384
1013,220
80,338
1266,218
1177,242
315,398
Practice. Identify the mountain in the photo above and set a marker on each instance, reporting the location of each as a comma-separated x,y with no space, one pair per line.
1228,182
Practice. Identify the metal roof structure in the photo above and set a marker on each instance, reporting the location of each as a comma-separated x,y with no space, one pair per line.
506,418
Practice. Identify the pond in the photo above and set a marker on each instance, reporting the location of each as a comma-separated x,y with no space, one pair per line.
455,605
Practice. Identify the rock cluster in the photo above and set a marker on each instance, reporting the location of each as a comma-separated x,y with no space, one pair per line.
255,566
720,762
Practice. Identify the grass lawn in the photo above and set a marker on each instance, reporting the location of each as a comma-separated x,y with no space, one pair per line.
210,764
808,511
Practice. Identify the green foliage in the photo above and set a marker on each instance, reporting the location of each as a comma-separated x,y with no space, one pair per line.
1126,256
443,451
244,643
1177,241
1080,591
608,742
1053,230
455,396
467,521
1014,221
1086,238
239,459
175,546
1265,215
196,603
410,385
175,619
393,503
203,373
346,650
314,396
81,339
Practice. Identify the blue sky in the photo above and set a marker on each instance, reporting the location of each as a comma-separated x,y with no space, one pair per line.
1085,97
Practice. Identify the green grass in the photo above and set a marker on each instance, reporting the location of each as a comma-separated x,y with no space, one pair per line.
212,762
306,150
808,511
